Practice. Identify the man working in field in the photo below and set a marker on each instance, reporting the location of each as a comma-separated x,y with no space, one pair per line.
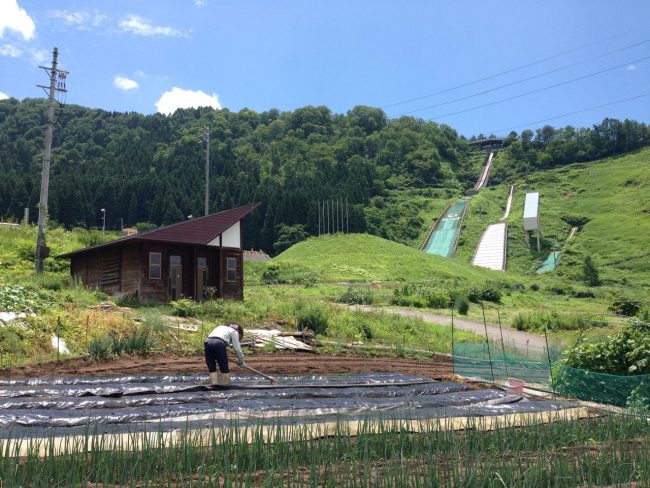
216,351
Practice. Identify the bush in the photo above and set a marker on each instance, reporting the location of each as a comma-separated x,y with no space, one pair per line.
313,316
590,272
575,220
281,274
356,296
185,308
625,306
489,292
554,320
462,304
100,348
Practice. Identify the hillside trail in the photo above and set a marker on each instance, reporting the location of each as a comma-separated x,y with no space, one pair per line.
524,342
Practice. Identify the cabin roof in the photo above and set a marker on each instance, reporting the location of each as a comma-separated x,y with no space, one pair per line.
199,231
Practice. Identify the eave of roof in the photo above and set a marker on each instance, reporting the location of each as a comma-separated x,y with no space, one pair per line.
199,231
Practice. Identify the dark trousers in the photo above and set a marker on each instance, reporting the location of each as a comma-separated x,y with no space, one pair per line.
216,353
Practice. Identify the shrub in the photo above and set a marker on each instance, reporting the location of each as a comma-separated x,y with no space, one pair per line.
356,296
554,320
185,308
575,220
489,292
590,272
313,316
625,306
534,287
461,304
100,348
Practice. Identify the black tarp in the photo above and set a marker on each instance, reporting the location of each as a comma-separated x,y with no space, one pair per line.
135,403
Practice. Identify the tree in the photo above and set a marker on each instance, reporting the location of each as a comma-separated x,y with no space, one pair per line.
288,235
590,273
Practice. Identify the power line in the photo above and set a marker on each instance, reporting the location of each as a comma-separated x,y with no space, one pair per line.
570,113
523,80
539,90
469,83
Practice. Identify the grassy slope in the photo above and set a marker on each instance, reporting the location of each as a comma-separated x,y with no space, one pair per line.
362,257
613,193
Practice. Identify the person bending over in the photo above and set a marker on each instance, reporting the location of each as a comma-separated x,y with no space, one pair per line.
216,351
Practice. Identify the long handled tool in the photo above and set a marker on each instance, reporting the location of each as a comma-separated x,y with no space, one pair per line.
270,378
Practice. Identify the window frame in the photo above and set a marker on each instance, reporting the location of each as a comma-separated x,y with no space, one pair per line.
229,260
155,265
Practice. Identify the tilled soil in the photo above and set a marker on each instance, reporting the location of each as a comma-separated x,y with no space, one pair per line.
437,367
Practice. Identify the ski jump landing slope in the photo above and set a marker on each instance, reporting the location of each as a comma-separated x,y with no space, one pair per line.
492,250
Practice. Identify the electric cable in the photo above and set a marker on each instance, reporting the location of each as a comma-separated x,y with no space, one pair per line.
522,80
521,95
469,83
636,97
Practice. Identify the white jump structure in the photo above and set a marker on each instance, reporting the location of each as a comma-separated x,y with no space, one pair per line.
531,216
491,251
486,171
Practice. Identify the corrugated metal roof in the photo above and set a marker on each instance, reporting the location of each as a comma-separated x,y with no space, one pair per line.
199,231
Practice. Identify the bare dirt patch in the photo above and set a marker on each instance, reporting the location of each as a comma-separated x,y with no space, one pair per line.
437,367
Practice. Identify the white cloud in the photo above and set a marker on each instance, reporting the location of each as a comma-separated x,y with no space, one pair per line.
169,101
39,56
143,27
200,3
10,51
124,83
80,19
631,68
3,96
16,19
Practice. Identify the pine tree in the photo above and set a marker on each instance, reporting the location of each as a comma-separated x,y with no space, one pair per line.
590,272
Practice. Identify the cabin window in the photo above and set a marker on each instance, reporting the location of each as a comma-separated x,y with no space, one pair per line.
155,260
231,269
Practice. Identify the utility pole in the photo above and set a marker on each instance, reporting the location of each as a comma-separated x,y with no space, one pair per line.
57,84
206,138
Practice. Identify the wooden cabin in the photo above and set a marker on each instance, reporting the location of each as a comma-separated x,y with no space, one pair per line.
196,259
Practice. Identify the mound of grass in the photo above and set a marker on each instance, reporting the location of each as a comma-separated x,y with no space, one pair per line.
362,257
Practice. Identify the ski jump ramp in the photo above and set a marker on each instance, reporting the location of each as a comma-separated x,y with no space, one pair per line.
491,252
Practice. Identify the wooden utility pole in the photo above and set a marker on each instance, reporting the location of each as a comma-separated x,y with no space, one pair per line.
57,84
206,138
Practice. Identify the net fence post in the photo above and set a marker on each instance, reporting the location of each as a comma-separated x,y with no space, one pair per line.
503,347
453,355
487,342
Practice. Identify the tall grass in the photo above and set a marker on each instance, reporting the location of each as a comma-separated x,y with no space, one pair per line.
591,452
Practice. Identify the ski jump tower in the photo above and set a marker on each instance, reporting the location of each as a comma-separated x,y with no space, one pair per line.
531,217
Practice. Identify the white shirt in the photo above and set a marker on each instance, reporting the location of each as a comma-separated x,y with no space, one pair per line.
230,336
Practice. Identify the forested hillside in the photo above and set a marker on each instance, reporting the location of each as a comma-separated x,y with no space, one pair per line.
150,168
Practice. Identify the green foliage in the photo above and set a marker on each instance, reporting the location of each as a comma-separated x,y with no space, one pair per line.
490,292
288,235
590,273
626,306
15,298
554,321
314,316
91,237
185,307
575,220
422,296
100,348
624,353
461,304
287,273
356,296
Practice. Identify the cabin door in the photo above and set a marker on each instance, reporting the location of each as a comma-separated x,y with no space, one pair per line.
201,277
175,277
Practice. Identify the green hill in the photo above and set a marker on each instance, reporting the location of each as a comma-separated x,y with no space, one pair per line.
612,195
363,257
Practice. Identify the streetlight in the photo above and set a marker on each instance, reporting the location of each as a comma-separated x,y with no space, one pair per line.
103,220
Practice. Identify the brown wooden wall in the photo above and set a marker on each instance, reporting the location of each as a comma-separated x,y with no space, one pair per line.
125,269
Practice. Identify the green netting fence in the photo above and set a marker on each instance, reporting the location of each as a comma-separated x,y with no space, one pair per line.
492,362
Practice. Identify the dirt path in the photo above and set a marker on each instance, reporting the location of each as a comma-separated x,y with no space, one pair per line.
524,342
438,367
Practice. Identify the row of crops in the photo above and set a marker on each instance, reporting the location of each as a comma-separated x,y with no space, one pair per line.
596,451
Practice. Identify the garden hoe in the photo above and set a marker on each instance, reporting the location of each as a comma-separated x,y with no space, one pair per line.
270,378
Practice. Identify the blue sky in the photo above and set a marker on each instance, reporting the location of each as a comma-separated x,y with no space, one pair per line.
590,59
